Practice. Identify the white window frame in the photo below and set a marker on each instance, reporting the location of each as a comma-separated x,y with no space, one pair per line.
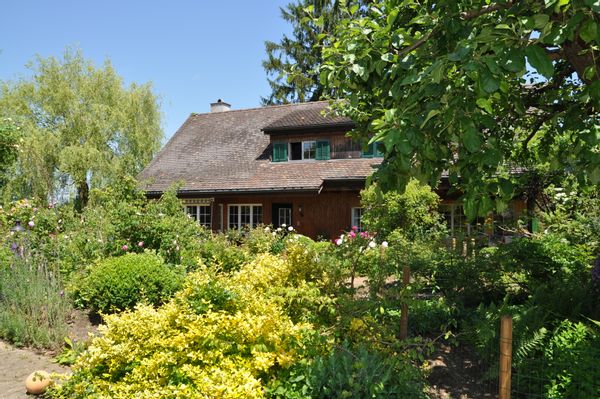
356,220
239,215
301,151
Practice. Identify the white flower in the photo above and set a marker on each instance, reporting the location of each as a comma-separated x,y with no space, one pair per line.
290,228
274,234
384,244
267,229
31,223
372,244
284,225
279,229
339,241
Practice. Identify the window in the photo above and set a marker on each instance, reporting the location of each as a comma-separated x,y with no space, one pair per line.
301,150
244,216
357,218
200,213
376,150
457,221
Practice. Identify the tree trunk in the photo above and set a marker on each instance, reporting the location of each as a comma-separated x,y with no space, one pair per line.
83,195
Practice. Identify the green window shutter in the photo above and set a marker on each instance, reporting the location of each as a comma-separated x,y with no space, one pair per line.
323,150
379,149
280,152
368,153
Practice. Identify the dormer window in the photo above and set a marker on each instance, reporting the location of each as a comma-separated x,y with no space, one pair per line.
301,150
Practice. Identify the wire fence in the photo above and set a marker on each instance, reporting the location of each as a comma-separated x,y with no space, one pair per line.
557,364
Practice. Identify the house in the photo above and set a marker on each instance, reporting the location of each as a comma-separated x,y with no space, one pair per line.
286,164
278,165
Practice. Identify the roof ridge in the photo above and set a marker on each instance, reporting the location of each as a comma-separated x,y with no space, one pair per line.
259,108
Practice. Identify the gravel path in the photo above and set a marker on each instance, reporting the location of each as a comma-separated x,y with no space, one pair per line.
16,365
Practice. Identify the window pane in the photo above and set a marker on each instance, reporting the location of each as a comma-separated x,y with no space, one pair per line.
233,216
357,218
309,149
257,215
245,216
285,216
204,216
296,151
192,211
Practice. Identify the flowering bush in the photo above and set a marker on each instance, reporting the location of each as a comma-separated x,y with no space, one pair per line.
362,254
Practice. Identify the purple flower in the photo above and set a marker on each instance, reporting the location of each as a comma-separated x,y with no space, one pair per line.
31,224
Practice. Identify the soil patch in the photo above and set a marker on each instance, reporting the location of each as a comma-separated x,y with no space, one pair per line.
456,373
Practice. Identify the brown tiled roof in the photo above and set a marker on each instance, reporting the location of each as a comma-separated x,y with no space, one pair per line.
228,151
308,117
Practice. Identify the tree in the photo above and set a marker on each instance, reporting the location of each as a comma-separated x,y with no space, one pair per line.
81,127
9,137
474,89
292,65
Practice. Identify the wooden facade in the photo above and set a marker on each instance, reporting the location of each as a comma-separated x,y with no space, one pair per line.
316,215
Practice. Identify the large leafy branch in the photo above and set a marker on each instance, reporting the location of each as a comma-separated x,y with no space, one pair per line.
477,91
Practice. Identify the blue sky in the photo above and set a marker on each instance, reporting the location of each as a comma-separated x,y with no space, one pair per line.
193,52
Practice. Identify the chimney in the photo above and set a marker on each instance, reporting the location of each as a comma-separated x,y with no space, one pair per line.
220,106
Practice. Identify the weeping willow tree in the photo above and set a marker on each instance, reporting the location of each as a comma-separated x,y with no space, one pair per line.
81,127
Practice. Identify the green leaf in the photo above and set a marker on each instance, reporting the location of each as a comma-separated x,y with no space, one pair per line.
538,59
459,54
471,138
485,104
589,72
488,82
595,175
514,61
359,70
540,20
430,115
589,31
507,188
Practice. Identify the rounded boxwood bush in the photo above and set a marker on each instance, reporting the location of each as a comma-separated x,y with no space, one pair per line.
119,283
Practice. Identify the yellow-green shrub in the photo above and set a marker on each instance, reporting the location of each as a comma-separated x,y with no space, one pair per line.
183,350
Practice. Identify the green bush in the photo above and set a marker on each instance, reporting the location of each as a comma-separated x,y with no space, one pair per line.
414,212
120,283
364,374
33,307
219,253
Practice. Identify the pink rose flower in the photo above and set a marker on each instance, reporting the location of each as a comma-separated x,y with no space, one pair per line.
141,244
125,247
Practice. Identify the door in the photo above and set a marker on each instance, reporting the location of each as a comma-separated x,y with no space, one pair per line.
282,214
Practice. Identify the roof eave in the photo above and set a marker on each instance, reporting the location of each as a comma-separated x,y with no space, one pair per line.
305,128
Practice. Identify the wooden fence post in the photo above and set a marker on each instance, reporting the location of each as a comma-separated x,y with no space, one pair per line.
404,314
506,327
